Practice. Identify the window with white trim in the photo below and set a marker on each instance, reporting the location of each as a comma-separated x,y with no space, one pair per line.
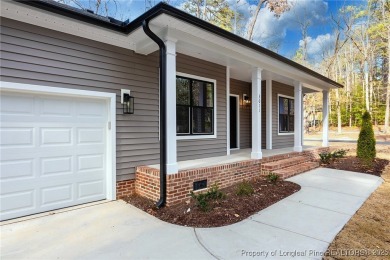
194,107
286,115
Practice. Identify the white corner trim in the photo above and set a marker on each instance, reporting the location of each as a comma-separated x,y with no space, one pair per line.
202,136
277,103
111,133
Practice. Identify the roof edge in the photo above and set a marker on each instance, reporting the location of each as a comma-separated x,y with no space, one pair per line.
161,8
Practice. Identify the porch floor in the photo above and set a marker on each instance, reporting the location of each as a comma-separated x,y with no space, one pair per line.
235,156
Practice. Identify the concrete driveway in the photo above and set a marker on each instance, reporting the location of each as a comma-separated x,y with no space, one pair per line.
300,226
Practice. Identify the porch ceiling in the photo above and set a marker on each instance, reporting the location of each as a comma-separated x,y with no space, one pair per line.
199,43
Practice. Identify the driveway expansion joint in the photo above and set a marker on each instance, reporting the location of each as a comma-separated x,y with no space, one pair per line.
300,202
313,187
257,221
203,246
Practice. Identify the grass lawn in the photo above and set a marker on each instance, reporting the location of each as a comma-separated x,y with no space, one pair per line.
369,228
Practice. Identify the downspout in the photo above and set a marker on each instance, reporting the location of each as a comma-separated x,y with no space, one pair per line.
163,109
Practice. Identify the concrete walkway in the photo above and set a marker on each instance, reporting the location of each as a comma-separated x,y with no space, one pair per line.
304,223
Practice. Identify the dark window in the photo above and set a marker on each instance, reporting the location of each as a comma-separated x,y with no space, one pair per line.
194,107
286,115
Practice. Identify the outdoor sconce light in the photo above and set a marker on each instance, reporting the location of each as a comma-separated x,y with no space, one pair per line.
127,102
246,99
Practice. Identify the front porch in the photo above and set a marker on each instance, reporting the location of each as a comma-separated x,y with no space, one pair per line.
224,171
235,156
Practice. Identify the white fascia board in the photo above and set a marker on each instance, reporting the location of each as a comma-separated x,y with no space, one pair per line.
35,16
189,34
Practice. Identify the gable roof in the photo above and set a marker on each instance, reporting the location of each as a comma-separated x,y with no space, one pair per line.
163,8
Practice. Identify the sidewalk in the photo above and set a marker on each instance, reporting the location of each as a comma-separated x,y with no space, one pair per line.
302,224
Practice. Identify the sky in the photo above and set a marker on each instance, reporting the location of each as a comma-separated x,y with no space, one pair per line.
282,33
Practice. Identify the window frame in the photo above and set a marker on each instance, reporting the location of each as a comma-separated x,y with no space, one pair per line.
214,132
278,102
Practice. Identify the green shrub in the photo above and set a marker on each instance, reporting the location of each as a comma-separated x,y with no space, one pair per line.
325,157
366,142
272,177
245,188
339,154
203,199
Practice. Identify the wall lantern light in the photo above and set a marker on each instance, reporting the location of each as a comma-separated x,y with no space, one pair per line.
246,99
127,101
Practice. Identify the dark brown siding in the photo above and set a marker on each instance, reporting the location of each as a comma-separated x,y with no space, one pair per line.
239,87
38,56
203,148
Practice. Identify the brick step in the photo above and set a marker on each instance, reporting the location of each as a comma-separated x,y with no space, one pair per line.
296,169
284,163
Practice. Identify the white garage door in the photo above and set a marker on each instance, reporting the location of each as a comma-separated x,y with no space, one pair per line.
53,152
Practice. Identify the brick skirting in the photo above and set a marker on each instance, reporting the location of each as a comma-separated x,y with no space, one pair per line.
124,188
180,185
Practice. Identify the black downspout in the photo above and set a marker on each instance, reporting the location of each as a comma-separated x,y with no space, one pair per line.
163,109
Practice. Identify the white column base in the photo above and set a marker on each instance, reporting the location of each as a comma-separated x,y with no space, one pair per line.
172,168
298,149
325,144
256,155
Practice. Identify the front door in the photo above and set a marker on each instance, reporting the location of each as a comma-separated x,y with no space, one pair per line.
234,122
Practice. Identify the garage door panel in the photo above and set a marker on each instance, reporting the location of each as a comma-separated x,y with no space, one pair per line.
12,202
16,105
55,107
12,137
16,169
56,195
53,153
90,135
92,110
56,165
90,189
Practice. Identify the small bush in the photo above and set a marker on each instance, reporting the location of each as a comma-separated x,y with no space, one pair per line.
325,157
203,199
366,142
272,177
245,188
339,154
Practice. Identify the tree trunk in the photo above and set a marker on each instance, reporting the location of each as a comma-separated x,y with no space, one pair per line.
254,20
387,112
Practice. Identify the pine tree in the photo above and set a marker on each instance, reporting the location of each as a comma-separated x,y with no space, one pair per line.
366,142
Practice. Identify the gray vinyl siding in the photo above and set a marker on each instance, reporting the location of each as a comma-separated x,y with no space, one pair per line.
280,141
204,148
238,87
34,55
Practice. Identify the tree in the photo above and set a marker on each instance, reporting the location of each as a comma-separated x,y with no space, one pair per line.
217,12
366,142
100,7
276,6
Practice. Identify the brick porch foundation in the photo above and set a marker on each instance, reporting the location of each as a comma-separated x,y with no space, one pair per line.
180,185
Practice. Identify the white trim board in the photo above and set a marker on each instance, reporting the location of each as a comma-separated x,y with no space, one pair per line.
111,131
277,102
202,136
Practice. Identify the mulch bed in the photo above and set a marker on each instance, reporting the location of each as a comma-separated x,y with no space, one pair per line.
231,209
352,163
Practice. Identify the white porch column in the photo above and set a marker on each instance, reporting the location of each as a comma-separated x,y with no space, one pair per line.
227,110
298,116
256,114
171,107
325,118
268,115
